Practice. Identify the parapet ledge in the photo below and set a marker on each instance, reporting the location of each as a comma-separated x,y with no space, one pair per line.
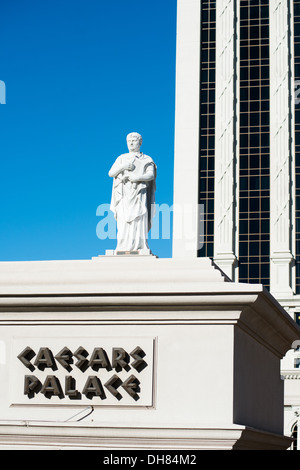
108,275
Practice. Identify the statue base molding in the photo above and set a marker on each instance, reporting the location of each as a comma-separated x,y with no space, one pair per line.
144,252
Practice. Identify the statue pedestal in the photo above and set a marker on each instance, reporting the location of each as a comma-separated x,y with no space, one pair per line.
144,252
139,353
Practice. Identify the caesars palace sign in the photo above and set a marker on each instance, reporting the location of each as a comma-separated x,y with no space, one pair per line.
104,374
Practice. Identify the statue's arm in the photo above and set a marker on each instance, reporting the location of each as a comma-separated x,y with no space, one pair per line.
116,169
149,175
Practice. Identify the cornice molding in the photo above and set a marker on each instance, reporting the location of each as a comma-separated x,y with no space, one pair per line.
61,435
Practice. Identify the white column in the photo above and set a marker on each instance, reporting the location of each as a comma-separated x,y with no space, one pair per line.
281,256
187,122
224,254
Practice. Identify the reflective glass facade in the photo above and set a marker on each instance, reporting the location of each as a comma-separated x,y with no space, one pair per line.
251,151
296,12
254,144
207,121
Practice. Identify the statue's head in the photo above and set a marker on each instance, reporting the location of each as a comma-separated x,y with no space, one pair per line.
134,142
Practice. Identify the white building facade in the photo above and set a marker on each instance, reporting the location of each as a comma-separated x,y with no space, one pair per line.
237,148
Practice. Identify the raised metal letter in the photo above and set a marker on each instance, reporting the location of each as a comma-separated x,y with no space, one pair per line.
81,354
112,385
93,387
64,357
25,357
131,385
52,387
70,388
99,359
32,385
139,364
45,359
120,359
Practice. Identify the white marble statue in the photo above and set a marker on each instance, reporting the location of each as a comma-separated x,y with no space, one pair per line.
133,196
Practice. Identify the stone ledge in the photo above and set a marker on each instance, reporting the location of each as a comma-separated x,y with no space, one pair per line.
81,436
107,275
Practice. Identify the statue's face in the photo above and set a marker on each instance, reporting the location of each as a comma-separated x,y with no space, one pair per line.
133,143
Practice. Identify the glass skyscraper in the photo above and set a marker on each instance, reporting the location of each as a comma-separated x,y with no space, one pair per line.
252,156
237,141
238,104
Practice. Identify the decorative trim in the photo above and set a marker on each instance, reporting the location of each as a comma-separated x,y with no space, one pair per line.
280,170
225,133
59,436
290,374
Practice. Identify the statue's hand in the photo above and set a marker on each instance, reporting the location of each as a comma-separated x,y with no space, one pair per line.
129,166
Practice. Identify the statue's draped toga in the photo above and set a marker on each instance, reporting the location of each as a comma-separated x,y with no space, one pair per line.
133,197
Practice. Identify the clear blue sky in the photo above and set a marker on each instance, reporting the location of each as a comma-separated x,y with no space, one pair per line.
80,75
